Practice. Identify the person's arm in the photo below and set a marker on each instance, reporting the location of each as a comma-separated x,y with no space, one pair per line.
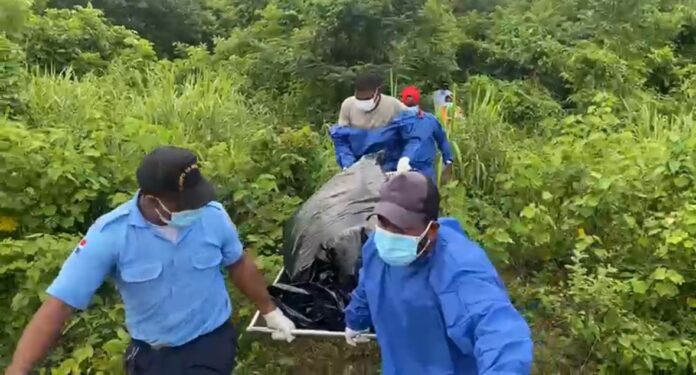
81,275
39,336
413,137
247,278
242,271
479,314
342,148
441,138
357,312
344,113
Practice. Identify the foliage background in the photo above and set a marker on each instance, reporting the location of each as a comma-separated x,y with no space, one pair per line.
575,165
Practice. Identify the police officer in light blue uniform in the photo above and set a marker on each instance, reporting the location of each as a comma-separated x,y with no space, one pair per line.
165,250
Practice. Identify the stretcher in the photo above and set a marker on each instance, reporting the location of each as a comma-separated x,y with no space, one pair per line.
257,324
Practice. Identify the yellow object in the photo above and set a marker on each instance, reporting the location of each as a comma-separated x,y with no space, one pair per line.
8,224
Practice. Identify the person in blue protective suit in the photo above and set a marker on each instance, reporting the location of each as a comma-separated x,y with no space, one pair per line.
421,134
409,142
435,301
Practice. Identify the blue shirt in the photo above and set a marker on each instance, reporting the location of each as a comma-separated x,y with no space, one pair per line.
446,313
172,292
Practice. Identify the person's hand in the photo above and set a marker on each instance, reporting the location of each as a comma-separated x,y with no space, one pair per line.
281,325
404,165
353,338
447,173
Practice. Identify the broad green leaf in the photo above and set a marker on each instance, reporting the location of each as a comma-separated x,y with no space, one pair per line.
681,181
691,301
675,277
659,274
83,353
639,286
665,289
676,236
529,212
502,236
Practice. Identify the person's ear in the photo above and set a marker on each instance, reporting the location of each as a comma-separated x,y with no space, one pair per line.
432,231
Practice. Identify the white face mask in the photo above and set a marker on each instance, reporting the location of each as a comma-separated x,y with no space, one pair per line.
367,105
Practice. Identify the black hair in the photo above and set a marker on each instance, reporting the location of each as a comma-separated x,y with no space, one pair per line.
431,205
368,81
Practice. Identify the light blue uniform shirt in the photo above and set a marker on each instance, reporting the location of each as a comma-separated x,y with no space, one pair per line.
173,292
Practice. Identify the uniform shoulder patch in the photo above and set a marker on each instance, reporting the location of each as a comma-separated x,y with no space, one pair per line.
80,246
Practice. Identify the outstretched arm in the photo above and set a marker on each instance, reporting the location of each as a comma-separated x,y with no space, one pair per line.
81,275
480,315
39,336
247,278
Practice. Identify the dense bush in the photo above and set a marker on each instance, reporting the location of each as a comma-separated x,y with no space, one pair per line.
575,163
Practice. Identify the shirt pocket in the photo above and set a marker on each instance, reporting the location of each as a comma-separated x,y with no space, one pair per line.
141,273
207,259
142,285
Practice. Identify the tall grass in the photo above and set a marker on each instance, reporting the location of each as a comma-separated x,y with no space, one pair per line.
647,122
479,138
204,107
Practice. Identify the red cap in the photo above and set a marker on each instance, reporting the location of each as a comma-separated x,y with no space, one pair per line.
413,92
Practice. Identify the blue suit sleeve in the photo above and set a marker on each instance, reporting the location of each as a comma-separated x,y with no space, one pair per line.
413,140
342,149
442,142
85,269
481,319
358,312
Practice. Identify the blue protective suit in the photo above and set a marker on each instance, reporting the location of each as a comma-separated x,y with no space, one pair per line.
421,136
415,136
446,313
350,144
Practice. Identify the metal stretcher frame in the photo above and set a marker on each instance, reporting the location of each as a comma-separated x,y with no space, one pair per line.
257,326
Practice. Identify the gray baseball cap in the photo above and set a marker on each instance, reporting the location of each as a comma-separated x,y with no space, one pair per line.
408,200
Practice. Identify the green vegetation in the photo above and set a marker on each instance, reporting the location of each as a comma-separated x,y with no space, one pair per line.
576,161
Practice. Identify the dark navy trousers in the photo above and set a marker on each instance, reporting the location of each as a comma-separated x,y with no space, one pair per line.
211,354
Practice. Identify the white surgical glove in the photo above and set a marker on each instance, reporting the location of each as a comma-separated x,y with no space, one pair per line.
281,325
353,338
404,165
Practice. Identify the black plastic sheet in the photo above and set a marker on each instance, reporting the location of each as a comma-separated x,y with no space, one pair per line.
322,245
315,304
332,223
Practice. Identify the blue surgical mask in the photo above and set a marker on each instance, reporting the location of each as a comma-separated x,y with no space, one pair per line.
398,249
413,110
181,219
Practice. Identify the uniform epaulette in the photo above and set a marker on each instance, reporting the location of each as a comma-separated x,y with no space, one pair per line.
114,216
217,205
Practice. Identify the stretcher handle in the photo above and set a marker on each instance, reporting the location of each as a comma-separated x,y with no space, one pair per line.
308,332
